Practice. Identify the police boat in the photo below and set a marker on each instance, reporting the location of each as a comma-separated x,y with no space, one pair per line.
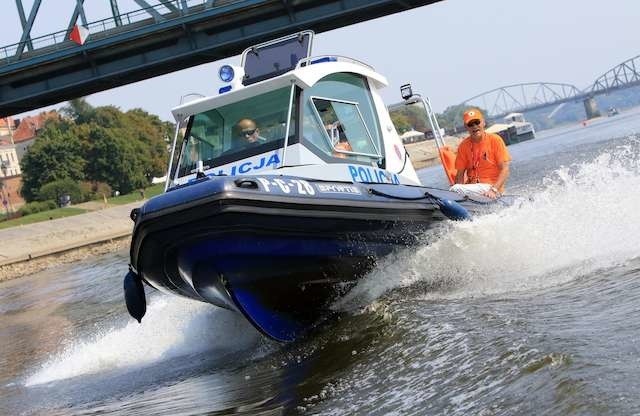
275,228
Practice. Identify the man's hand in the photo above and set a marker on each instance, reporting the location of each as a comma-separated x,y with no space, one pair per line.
493,193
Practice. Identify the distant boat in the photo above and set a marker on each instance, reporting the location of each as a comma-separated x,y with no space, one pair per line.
612,112
412,136
513,129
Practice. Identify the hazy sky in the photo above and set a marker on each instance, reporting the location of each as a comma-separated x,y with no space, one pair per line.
450,51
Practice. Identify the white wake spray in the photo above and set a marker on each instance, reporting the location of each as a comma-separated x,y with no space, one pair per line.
584,218
172,327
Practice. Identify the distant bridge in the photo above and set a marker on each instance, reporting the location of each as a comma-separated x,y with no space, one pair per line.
621,76
536,95
524,97
157,39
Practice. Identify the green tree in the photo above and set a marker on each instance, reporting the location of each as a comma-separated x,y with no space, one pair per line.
400,121
418,116
116,161
56,189
54,156
79,110
103,144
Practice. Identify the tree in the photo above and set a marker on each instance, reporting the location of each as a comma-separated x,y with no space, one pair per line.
116,161
79,110
54,156
401,122
103,144
57,189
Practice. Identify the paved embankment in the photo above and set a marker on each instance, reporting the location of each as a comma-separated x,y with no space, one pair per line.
27,242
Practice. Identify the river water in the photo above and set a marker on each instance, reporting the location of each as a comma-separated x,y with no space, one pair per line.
534,310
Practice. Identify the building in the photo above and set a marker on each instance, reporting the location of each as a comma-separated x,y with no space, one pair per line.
10,173
16,135
412,136
7,125
27,129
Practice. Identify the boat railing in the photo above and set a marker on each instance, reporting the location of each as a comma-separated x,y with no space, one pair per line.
312,60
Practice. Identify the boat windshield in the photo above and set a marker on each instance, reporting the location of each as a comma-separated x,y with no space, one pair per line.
236,131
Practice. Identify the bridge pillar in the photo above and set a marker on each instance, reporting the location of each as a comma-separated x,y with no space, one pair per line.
591,108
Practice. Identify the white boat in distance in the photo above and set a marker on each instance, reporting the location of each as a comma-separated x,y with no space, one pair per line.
513,129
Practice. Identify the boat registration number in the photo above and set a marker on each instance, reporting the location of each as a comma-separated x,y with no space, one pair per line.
287,186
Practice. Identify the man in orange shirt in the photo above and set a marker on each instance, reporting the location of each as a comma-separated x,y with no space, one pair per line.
482,162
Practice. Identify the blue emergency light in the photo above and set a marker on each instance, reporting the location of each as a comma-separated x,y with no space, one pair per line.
226,73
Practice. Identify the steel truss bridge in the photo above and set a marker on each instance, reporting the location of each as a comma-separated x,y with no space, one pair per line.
161,37
536,95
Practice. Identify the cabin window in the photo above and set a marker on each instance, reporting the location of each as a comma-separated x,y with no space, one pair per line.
344,127
237,131
340,120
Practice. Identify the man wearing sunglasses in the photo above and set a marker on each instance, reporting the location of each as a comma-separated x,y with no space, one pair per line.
482,162
247,134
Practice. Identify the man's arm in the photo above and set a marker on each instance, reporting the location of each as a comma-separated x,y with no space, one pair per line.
460,175
503,175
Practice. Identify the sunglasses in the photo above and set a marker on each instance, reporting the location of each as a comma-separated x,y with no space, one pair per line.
249,132
473,123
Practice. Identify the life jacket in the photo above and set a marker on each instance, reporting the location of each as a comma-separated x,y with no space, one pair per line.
448,159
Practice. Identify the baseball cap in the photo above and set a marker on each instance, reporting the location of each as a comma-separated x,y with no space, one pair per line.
471,114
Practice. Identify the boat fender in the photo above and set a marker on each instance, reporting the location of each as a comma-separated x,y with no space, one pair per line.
452,210
134,214
134,295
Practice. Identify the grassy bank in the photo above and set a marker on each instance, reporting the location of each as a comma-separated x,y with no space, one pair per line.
70,211
42,216
149,192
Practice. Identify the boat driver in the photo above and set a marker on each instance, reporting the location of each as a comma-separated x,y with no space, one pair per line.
247,134
482,162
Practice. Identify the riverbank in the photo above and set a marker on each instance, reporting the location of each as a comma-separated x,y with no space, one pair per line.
34,247
24,268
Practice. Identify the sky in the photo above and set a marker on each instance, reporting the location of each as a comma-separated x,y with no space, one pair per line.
449,51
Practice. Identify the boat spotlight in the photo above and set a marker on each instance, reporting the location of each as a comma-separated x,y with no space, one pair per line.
406,92
226,73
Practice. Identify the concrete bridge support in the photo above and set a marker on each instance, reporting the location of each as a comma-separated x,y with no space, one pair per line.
591,108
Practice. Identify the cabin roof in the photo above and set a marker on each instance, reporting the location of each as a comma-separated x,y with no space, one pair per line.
305,77
513,115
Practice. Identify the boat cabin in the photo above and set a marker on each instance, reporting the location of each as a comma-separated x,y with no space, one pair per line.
283,112
514,118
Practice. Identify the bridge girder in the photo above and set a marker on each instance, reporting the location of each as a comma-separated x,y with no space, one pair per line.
121,51
624,75
522,97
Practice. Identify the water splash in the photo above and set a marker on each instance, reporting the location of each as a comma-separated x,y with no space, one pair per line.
584,217
173,327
